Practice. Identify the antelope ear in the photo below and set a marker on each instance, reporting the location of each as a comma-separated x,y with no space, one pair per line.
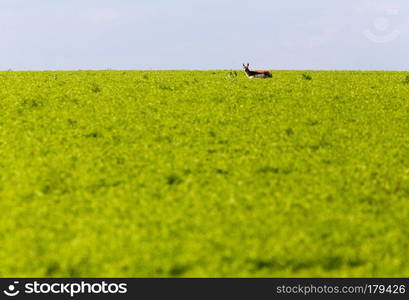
248,65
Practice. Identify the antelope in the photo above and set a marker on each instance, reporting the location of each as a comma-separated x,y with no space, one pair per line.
256,73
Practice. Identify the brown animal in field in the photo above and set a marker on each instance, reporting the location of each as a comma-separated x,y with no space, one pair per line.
256,73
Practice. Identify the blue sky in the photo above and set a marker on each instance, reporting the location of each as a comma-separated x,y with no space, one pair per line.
204,34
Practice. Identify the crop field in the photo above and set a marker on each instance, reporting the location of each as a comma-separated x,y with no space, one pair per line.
204,174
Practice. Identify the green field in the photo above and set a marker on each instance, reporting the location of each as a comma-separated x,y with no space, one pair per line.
193,174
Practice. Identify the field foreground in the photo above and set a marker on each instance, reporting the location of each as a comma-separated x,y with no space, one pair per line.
183,173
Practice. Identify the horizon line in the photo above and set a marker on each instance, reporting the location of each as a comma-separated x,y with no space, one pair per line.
201,70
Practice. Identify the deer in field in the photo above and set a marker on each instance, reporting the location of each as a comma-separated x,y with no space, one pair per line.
256,73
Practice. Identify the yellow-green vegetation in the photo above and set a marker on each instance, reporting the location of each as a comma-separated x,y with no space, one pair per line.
183,173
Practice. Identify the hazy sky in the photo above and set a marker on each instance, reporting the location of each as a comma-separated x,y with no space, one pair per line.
204,34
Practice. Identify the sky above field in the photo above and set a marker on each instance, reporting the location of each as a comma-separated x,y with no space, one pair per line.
204,34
